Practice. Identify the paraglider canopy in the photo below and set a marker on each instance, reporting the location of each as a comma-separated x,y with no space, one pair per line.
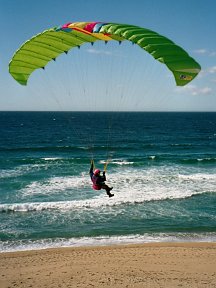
46,46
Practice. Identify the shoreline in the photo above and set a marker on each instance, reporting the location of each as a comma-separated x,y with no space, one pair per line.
164,264
100,241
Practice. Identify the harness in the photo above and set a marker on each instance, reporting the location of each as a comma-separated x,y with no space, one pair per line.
95,185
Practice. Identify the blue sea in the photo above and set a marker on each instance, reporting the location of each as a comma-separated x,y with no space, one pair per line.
162,167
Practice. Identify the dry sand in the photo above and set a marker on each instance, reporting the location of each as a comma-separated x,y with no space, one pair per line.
148,265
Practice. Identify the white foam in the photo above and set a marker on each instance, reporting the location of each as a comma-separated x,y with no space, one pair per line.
24,245
130,186
22,170
199,177
55,185
205,159
51,158
122,162
153,157
119,162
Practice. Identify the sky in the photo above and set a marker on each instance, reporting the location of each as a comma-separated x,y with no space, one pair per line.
113,77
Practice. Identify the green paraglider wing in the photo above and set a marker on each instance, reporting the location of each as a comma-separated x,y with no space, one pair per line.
46,46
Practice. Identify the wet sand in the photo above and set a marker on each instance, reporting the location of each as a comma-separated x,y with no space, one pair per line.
154,265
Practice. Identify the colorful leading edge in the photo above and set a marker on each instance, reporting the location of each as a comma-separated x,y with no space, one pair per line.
46,46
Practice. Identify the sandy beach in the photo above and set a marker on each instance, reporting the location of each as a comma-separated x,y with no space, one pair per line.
145,265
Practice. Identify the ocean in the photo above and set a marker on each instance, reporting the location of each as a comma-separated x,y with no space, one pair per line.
162,166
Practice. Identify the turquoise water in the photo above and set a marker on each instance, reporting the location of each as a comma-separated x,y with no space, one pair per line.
162,167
